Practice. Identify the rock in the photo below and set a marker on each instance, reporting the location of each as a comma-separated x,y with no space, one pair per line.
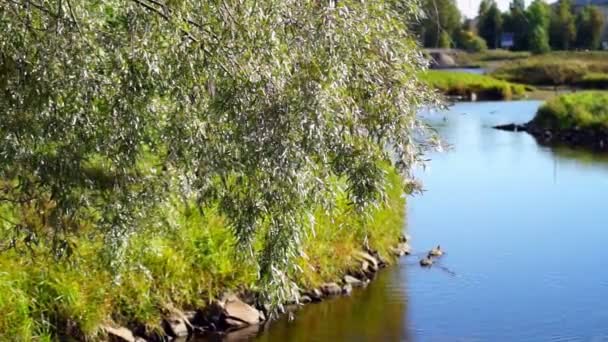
176,325
352,281
407,250
401,249
442,59
240,314
331,289
315,295
404,238
512,127
347,289
191,316
373,262
121,334
305,299
397,252
367,271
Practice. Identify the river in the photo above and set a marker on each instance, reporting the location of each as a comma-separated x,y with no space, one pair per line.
525,229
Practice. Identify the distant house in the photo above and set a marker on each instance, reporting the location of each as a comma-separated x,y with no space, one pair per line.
506,40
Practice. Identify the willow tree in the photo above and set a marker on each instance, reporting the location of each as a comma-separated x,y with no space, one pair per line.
111,107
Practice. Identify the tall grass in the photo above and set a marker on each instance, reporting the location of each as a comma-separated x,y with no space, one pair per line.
463,84
499,55
583,69
182,258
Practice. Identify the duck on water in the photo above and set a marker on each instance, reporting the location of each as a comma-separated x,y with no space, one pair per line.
433,253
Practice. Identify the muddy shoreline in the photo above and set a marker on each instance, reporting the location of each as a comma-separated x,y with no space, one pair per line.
575,137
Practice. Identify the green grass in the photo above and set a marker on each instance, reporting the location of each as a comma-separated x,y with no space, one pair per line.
584,110
487,57
181,257
463,84
581,69
498,55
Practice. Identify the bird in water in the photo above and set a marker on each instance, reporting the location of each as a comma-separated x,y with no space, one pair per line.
436,252
426,262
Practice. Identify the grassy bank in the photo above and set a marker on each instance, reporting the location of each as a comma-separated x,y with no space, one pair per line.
582,110
182,258
498,55
488,59
463,84
580,69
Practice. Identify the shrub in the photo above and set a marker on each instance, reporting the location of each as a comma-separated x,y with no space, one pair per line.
539,41
471,42
463,84
585,110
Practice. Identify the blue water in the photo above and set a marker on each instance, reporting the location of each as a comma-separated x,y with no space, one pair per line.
478,71
526,231
525,228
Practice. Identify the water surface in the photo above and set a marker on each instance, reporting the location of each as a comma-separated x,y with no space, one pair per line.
478,71
525,230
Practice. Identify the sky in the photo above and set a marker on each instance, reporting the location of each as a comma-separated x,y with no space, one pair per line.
469,7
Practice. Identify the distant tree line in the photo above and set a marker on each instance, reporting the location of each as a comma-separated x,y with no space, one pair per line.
538,27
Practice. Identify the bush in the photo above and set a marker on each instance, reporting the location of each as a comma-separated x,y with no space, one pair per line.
445,42
585,110
500,55
463,84
539,41
558,68
553,73
471,42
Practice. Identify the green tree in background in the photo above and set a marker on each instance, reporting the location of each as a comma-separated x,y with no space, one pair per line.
470,42
440,23
110,109
516,22
539,40
539,14
589,26
489,25
445,41
563,26
539,17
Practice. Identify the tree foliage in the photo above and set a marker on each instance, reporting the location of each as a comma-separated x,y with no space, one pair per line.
471,42
112,108
539,16
539,41
589,25
441,20
563,26
515,21
489,25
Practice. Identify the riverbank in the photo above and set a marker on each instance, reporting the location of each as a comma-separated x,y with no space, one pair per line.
182,262
577,119
588,70
473,87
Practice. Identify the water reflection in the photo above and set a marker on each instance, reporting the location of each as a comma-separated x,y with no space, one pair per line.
378,313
